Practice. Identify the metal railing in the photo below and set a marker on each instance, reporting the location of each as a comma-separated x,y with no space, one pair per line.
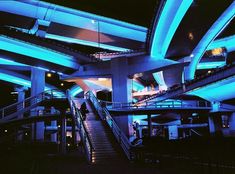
155,104
104,115
85,138
15,109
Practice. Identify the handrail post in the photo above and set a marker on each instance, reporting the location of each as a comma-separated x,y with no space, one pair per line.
3,113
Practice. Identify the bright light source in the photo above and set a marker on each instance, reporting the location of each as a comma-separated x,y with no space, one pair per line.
92,21
209,72
217,51
190,36
102,79
191,55
5,130
61,84
49,74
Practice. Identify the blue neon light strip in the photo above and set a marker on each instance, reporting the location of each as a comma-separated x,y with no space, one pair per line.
26,83
75,90
15,80
10,62
210,65
218,91
170,18
137,86
84,42
67,16
211,34
37,52
228,43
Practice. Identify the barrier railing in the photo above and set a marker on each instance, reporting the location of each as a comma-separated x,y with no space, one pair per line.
86,141
13,110
155,104
104,115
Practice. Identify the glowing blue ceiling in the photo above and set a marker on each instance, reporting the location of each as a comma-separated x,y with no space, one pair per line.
50,13
35,51
219,91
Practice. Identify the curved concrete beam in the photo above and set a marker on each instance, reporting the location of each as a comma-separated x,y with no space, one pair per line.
66,16
37,52
165,26
211,34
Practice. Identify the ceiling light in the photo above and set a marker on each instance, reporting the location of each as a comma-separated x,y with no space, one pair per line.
49,74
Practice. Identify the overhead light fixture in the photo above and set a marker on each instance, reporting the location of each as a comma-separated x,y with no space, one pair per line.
190,36
49,74
102,79
217,51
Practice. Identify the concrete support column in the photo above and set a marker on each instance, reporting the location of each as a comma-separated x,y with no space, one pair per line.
53,124
173,132
214,123
37,86
21,97
215,106
121,91
63,134
232,125
150,127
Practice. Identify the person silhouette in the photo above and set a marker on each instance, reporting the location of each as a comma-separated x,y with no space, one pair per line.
83,110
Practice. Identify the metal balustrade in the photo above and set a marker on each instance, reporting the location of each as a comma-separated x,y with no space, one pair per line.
18,108
86,140
205,79
155,104
104,115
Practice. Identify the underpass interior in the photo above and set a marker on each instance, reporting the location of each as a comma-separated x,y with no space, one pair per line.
133,87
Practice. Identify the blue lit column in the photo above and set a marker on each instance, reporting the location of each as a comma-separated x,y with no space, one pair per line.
53,124
63,134
214,122
21,97
37,86
173,132
150,127
121,91
232,125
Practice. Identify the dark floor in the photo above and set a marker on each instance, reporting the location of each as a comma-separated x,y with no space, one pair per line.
26,161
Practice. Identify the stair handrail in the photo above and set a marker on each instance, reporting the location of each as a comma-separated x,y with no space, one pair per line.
118,133
85,137
30,101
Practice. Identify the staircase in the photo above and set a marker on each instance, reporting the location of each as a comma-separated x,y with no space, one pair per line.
12,111
105,146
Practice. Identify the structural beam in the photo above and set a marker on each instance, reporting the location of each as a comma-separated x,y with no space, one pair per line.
52,13
37,52
165,25
211,34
